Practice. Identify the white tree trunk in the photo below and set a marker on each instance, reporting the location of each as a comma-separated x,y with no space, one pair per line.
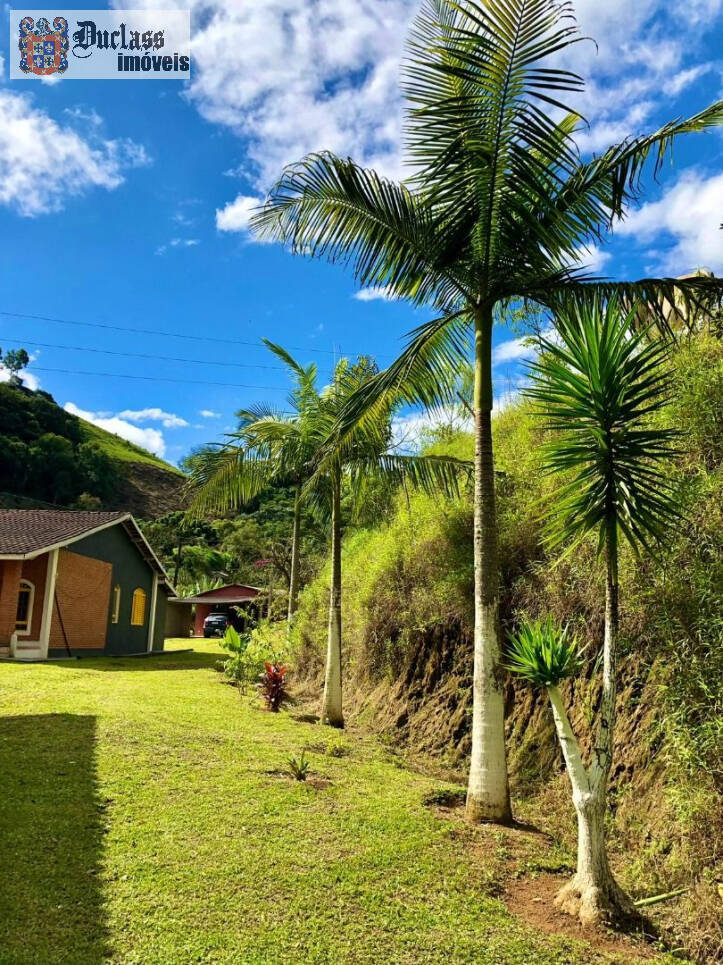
488,797
331,708
593,895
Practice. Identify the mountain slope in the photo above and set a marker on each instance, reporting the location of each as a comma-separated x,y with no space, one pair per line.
50,456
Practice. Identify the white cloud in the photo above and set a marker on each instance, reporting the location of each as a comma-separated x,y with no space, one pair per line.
513,350
84,115
178,243
209,414
151,439
294,76
237,214
684,78
43,163
410,429
167,419
374,294
517,349
688,216
592,258
28,379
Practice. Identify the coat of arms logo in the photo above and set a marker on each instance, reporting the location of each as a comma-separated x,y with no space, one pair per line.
42,50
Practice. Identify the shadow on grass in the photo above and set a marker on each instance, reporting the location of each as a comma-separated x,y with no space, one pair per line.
161,661
51,841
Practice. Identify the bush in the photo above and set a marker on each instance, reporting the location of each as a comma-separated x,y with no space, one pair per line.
272,686
250,652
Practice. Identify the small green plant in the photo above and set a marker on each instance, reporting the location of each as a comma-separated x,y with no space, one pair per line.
543,653
336,748
250,653
235,666
298,767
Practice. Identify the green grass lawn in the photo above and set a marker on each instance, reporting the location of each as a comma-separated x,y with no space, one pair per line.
140,822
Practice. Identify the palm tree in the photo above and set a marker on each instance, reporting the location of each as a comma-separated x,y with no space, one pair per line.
596,388
497,208
360,458
275,449
271,448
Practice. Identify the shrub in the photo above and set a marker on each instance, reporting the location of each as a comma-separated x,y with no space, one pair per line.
251,651
272,686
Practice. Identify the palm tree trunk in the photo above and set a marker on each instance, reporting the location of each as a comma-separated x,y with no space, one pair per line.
295,552
593,895
488,796
331,709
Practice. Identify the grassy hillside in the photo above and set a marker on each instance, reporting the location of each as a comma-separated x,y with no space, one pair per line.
407,643
49,456
121,450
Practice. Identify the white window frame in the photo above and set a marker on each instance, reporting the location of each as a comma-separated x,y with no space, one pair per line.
115,613
26,585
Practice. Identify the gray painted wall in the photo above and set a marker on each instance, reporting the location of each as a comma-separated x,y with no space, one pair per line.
130,570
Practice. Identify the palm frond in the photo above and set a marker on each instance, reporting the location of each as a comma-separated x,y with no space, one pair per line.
432,474
228,477
596,387
332,208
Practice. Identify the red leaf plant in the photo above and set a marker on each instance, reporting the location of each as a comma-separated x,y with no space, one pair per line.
272,686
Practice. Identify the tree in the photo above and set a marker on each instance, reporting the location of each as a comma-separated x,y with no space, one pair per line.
596,389
273,448
361,458
497,209
14,362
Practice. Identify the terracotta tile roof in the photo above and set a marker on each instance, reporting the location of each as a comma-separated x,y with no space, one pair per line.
233,593
24,531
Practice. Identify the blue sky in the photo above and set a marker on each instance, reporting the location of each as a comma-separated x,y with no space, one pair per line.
124,204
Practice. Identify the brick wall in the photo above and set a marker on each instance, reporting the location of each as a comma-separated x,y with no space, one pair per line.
83,596
9,586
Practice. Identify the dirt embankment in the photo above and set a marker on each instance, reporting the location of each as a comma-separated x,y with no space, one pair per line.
148,491
425,715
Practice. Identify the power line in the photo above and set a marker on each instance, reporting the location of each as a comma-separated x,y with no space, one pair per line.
158,378
152,331
139,355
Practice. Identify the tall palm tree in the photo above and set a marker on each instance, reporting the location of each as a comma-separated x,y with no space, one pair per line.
362,457
271,448
274,448
596,388
497,208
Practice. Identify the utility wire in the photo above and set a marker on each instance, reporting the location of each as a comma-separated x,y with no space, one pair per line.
152,331
139,355
158,378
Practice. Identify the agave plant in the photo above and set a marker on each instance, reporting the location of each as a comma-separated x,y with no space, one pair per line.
497,209
543,653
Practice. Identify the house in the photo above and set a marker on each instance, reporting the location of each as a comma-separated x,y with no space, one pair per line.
78,583
223,600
